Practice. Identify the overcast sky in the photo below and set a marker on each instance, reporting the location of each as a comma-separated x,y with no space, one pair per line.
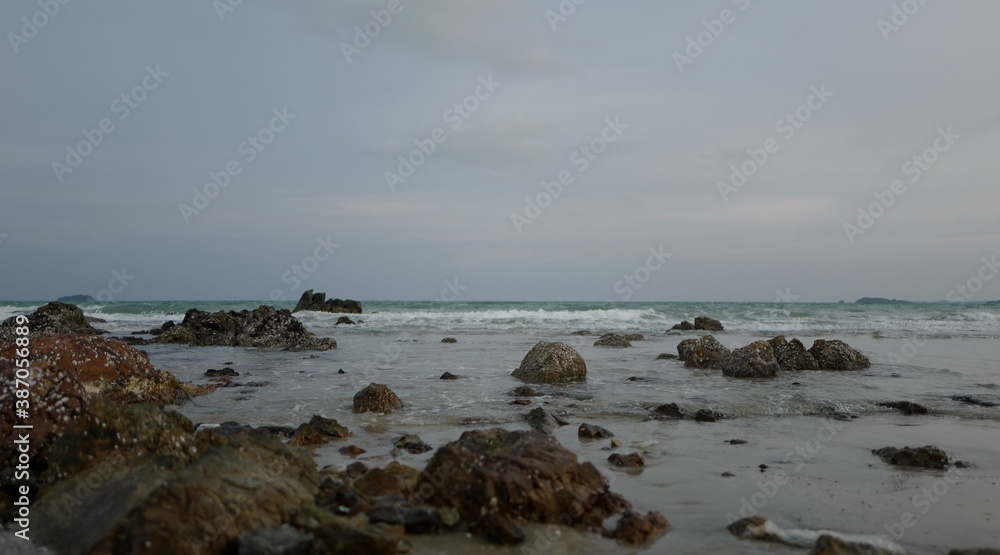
644,124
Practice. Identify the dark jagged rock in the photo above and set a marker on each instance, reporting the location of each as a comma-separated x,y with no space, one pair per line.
591,431
262,327
157,331
283,540
552,363
669,411
837,355
906,407
666,356
411,443
449,340
54,318
345,320
970,400
497,479
448,376
683,326
705,415
520,402
632,460
928,456
543,421
755,360
319,430
792,355
215,373
376,398
318,302
702,352
613,340
700,323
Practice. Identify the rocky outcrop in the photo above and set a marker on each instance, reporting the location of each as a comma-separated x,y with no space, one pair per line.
55,318
263,327
613,340
755,360
552,363
792,355
837,355
376,398
319,303
498,479
928,456
702,352
700,323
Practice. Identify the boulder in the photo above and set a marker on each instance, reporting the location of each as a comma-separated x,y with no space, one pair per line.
613,340
683,326
708,324
552,363
591,431
449,340
376,398
448,376
634,337
928,456
633,460
411,443
669,411
708,343
265,326
54,318
497,479
318,302
837,355
318,430
755,360
345,320
792,355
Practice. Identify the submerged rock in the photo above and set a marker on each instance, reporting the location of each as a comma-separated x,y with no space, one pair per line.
792,355
216,373
822,542
632,460
54,318
376,397
411,443
345,320
706,415
929,456
552,363
970,400
319,430
837,355
756,360
448,376
666,356
906,407
543,421
497,479
634,337
319,303
669,411
262,327
581,332
613,340
449,340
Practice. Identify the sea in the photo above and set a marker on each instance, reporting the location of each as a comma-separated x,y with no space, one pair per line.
937,355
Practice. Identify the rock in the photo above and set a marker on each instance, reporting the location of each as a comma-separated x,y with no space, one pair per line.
822,542
54,318
552,363
376,398
448,376
262,327
837,355
449,340
318,430
833,545
520,402
683,326
337,534
213,373
318,302
708,324
633,460
415,519
755,360
974,552
497,479
666,356
669,411
283,540
906,407
345,320
542,421
636,528
351,450
705,415
792,355
157,331
612,340
590,431
928,456
737,441
970,400
523,391
634,337
150,481
702,352
581,332
411,443
616,443
341,371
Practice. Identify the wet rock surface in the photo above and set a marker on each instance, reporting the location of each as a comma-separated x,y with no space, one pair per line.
543,421
552,363
970,400
906,407
792,355
411,443
449,340
837,355
755,360
591,431
666,356
264,326
319,430
613,340
700,323
702,352
632,460
376,397
928,456
319,303
668,411
54,318
448,376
